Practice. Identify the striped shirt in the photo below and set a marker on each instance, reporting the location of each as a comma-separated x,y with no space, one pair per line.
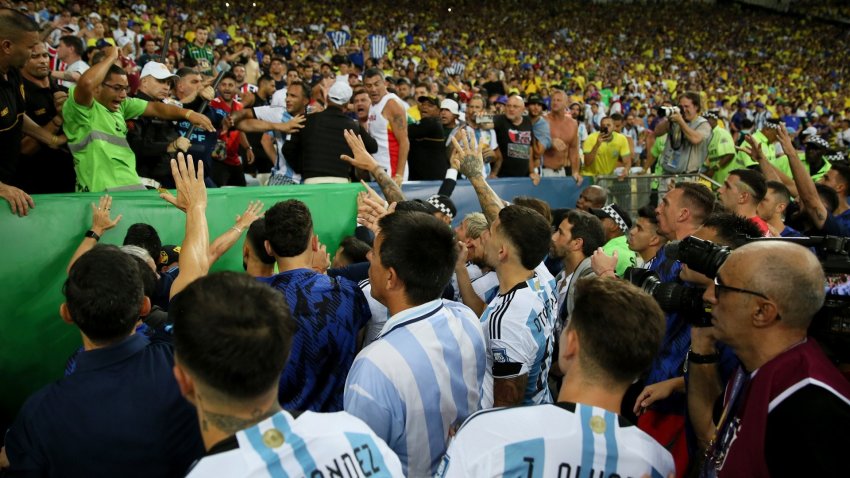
519,327
565,439
424,373
314,444
278,114
339,38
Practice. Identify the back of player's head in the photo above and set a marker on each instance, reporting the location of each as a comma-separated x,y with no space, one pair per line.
232,333
354,250
619,329
289,227
144,236
422,251
529,233
104,294
256,239
538,205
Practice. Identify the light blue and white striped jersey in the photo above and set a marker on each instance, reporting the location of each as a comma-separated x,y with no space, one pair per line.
486,286
379,314
278,114
377,46
519,327
564,440
314,444
424,373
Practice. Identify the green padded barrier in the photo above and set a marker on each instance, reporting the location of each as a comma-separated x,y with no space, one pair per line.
34,252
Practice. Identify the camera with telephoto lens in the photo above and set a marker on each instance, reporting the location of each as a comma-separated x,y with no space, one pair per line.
665,111
672,296
700,255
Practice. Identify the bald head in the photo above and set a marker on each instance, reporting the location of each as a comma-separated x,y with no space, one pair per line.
592,197
787,273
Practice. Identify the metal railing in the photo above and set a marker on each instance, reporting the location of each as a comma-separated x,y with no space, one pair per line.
634,192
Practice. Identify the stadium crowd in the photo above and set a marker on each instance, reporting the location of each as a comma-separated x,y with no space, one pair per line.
661,341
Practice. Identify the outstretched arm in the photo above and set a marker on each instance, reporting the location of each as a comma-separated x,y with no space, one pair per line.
471,165
363,160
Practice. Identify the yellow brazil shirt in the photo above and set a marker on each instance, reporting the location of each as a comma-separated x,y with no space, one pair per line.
606,156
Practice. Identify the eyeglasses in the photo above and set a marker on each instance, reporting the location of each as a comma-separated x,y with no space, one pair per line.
118,88
718,286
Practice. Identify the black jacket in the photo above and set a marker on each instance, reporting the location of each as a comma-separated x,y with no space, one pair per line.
427,159
149,139
314,151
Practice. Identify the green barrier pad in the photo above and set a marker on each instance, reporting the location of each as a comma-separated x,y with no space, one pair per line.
34,342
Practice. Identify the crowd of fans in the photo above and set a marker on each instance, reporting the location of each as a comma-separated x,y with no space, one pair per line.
669,342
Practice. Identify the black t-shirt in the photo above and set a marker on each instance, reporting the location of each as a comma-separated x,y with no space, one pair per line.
514,144
12,108
48,170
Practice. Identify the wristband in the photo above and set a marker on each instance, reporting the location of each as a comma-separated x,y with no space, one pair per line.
696,358
237,229
93,235
188,113
53,140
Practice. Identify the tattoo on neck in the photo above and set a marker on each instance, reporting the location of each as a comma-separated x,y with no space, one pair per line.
231,424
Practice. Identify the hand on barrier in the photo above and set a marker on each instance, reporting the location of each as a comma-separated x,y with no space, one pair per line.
19,201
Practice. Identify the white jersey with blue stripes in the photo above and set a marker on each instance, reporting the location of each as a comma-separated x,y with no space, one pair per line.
314,444
559,440
519,327
423,374
278,114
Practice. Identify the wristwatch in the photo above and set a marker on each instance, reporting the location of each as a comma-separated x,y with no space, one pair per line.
93,235
696,358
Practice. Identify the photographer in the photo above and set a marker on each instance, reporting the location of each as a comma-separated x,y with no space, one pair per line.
687,142
788,418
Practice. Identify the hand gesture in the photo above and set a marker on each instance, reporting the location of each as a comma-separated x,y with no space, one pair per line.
201,121
371,194
462,254
19,201
370,212
321,259
653,393
111,53
535,178
291,126
251,214
472,162
785,140
603,263
207,93
362,159
180,144
191,191
100,220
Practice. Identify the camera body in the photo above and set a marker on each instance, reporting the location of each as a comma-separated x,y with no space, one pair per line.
672,296
665,111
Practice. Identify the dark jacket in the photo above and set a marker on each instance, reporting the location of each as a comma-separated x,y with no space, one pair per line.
315,150
427,160
149,139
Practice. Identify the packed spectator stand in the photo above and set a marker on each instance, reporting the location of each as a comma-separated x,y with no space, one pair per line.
621,304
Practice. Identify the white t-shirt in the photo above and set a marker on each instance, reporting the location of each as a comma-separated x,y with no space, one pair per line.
553,440
78,66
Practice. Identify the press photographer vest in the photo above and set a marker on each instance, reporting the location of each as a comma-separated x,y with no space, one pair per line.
679,155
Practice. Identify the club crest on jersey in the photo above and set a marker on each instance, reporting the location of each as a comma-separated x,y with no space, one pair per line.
500,355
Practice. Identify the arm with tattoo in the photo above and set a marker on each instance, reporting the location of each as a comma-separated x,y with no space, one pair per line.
471,165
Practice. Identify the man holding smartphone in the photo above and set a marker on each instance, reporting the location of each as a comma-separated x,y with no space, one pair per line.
603,149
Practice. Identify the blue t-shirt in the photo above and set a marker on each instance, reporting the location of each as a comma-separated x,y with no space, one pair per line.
329,311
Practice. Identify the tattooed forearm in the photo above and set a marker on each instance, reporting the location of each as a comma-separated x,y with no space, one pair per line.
490,202
392,192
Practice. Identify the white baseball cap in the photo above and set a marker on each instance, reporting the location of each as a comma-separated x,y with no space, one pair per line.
340,93
451,105
157,70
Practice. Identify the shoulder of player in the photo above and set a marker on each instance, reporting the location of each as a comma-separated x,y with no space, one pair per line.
494,419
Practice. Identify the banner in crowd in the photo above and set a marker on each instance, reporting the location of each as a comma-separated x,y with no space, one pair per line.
34,341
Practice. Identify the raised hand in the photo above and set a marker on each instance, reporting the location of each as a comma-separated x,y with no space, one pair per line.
472,161
100,220
253,212
191,191
362,159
